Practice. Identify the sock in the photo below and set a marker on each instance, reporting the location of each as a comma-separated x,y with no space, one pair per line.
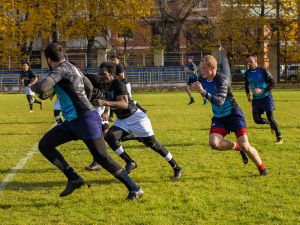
127,181
30,106
261,167
71,174
58,119
126,157
192,99
37,101
237,147
169,158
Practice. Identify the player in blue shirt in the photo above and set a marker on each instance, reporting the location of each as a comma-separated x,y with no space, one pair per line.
261,82
82,122
192,70
228,117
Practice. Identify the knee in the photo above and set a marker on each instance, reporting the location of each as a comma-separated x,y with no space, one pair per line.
110,137
42,146
214,145
245,147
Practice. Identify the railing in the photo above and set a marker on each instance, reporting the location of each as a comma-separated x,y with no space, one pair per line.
136,75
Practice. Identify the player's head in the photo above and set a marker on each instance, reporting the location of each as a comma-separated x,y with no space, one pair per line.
190,59
75,64
115,59
106,72
251,60
25,66
208,65
54,53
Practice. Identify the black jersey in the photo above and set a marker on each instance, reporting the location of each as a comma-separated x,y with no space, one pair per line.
120,69
116,89
69,88
27,76
94,79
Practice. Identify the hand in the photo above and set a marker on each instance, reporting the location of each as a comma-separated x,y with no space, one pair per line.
185,68
29,85
249,98
258,91
104,116
198,87
99,102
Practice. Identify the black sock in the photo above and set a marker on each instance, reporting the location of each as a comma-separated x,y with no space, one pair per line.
126,157
127,181
71,174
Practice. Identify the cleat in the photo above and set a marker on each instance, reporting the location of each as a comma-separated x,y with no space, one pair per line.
42,105
177,172
205,101
191,102
264,172
130,166
30,111
279,141
244,157
94,166
134,195
111,119
71,186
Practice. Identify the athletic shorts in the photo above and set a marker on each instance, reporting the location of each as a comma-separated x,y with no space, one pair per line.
100,110
86,127
56,105
263,104
138,124
191,80
234,122
28,91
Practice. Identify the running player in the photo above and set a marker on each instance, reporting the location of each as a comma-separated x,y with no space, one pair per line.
228,117
130,120
261,82
81,122
28,78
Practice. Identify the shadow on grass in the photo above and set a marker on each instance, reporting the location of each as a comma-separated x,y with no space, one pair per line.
31,122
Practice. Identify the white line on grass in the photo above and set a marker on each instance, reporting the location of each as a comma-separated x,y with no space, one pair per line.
19,166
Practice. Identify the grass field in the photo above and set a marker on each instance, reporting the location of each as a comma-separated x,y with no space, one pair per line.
216,187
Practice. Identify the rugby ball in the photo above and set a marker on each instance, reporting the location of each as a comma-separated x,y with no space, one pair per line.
47,94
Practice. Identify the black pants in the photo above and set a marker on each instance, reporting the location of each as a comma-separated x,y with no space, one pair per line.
270,118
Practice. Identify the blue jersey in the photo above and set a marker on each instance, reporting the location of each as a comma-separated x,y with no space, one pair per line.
260,78
218,92
192,66
70,90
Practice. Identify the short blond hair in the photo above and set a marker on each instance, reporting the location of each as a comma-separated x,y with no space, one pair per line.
210,60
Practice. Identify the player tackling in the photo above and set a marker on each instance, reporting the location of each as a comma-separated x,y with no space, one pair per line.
228,117
81,122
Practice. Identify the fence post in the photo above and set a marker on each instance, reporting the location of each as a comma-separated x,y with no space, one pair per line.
144,64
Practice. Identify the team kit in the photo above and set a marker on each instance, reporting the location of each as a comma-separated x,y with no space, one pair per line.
88,102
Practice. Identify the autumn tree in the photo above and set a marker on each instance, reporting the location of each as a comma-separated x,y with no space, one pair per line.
96,21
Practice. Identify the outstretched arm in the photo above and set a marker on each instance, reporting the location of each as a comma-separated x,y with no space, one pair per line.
43,85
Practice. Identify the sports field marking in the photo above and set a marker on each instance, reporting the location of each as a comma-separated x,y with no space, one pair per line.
19,166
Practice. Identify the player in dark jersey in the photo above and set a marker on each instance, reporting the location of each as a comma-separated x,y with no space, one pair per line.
261,82
28,78
228,117
120,74
81,122
130,120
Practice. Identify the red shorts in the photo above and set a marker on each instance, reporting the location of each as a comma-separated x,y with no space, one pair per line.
224,132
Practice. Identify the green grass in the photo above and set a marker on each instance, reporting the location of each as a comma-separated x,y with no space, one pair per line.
216,188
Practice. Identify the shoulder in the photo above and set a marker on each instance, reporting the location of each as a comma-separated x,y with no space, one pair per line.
247,71
221,79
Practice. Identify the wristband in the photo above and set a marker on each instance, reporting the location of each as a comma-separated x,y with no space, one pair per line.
106,110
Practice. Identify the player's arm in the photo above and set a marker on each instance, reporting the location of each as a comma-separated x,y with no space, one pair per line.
269,80
43,85
217,99
121,76
88,87
121,103
247,89
105,114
